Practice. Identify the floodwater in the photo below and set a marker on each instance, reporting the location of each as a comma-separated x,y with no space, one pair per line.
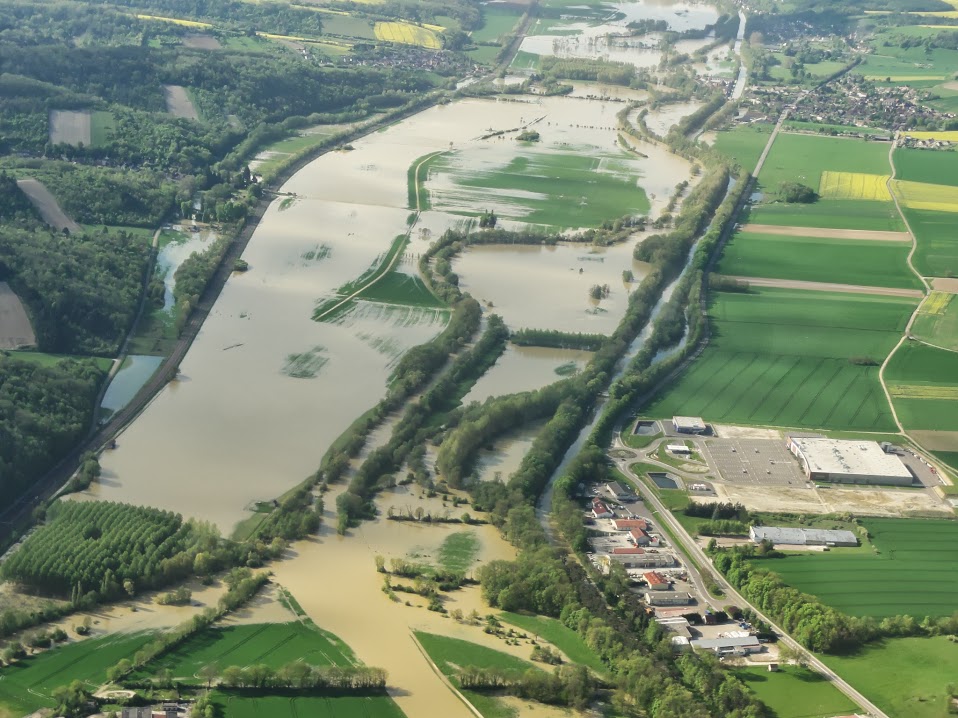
548,287
503,459
660,120
185,242
134,373
526,369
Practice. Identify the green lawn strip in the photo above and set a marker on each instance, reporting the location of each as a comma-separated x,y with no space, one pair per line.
826,129
559,635
451,653
905,677
795,692
271,644
744,143
880,582
247,705
934,166
101,125
937,252
831,213
45,359
416,176
638,441
951,459
783,358
25,686
869,263
399,288
803,158
459,550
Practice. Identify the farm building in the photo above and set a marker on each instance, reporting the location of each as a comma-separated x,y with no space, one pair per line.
617,490
680,449
637,558
656,581
668,598
802,537
689,424
630,524
600,510
848,462
737,645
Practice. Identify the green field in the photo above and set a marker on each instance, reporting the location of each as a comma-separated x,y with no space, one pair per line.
934,166
45,359
244,706
937,253
816,70
840,129
923,382
450,653
832,213
458,551
921,364
348,26
905,677
25,686
781,358
272,644
559,635
803,158
399,288
101,125
948,457
538,186
795,692
869,263
744,143
496,22
914,572
940,328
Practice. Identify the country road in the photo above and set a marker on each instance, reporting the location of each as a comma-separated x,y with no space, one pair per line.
688,547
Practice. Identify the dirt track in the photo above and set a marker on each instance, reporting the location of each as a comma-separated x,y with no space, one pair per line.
826,287
178,102
15,328
47,206
827,233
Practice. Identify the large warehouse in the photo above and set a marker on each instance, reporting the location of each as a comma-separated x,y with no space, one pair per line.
802,537
848,462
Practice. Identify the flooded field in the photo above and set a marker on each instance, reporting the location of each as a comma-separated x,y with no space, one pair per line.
526,369
503,459
660,121
134,373
543,287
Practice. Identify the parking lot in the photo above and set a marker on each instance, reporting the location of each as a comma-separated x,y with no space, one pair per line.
754,461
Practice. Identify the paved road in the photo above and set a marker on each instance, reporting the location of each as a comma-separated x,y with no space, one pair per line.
733,597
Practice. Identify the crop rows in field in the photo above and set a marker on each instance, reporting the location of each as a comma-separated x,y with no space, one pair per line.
923,391
244,706
930,377
854,185
937,303
937,251
926,196
914,572
783,358
407,34
930,166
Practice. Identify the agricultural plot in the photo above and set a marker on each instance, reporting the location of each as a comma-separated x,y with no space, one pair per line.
926,166
744,143
407,34
70,127
47,205
25,686
270,644
910,553
923,383
833,213
15,328
458,551
803,158
937,251
399,288
796,692
880,671
814,259
560,636
854,185
539,186
926,196
937,320
245,706
348,26
940,135
178,102
792,358
496,22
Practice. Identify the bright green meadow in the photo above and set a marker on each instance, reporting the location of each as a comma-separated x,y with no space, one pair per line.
795,692
781,358
933,166
744,143
831,213
559,635
244,706
937,238
803,158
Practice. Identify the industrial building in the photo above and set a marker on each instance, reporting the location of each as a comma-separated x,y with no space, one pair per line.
848,462
637,558
630,524
616,489
667,598
679,449
733,645
656,581
802,537
689,424
600,510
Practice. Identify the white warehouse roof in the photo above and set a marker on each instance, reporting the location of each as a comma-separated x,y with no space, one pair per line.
802,537
688,422
836,457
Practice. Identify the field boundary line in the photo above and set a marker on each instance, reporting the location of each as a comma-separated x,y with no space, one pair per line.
443,678
776,283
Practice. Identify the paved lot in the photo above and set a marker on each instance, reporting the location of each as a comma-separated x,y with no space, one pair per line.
764,462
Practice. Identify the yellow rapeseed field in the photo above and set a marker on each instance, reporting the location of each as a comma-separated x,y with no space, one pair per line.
854,185
922,391
944,135
407,34
936,303
174,20
922,195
